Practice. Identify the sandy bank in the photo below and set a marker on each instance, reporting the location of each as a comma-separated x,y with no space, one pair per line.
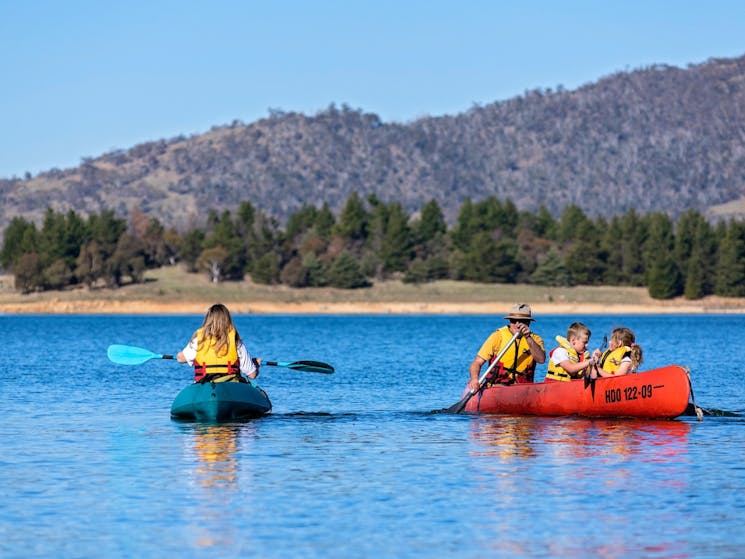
442,308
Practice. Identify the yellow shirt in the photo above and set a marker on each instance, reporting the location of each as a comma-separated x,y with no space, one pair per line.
520,360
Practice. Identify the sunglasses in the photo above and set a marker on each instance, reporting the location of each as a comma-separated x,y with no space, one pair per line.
515,321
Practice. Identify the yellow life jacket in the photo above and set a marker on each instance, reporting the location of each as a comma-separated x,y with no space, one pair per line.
516,361
555,371
611,359
209,361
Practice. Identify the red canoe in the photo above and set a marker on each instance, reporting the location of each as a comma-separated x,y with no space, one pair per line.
658,393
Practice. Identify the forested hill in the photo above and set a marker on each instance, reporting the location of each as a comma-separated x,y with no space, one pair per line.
658,138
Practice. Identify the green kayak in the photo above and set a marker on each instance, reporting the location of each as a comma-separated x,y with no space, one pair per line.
222,401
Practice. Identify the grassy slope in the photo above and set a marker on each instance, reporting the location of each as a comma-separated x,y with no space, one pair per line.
173,284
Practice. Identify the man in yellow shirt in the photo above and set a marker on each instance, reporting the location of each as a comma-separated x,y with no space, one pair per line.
517,364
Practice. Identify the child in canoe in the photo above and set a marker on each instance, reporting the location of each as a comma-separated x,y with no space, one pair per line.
623,355
570,359
216,350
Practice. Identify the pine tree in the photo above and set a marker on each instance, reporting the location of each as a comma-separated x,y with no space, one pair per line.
465,227
344,273
488,260
190,248
395,250
431,224
663,275
664,278
544,224
21,237
300,222
262,247
551,271
572,220
634,233
685,233
325,222
105,228
695,252
694,281
611,241
226,234
730,269
265,269
585,259
354,220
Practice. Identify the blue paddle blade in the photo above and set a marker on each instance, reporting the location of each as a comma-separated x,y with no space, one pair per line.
130,355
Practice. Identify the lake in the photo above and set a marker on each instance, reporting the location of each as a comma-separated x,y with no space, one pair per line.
354,464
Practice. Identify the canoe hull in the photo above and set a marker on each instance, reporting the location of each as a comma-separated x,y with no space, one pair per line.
223,401
655,394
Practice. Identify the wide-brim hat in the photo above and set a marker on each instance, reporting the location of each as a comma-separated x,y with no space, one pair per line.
521,311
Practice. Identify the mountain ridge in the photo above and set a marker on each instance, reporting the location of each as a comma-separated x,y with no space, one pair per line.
659,138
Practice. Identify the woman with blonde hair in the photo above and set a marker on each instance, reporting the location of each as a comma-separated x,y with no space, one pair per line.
216,350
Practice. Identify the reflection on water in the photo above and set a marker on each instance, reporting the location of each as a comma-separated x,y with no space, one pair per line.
504,437
214,448
573,472
218,474
572,438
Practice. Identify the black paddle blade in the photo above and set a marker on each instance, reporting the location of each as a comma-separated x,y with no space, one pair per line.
312,367
460,406
307,366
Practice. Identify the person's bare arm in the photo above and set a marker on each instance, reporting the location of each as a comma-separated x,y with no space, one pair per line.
473,370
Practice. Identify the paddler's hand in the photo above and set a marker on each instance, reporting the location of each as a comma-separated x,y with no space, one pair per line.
473,385
524,329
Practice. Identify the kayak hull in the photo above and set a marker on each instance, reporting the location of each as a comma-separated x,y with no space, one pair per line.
655,394
222,401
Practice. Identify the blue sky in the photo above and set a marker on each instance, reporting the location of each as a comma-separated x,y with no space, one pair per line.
80,78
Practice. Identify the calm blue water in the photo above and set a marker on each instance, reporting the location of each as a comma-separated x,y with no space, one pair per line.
353,464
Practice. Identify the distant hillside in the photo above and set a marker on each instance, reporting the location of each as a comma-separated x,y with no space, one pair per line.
658,138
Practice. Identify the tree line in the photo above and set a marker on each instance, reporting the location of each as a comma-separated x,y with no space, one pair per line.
491,242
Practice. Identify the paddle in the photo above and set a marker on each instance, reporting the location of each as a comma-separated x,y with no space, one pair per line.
588,380
131,355
460,406
307,366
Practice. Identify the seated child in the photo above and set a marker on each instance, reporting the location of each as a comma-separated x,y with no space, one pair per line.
570,359
622,356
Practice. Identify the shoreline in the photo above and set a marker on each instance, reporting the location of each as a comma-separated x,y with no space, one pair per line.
147,307
173,291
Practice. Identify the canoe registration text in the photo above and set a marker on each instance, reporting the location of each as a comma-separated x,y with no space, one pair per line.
629,393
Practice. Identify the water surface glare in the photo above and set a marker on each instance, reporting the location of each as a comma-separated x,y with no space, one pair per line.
355,464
